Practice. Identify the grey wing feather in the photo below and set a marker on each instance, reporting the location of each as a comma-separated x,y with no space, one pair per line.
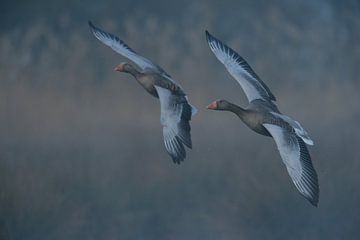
176,113
297,160
250,82
299,130
123,49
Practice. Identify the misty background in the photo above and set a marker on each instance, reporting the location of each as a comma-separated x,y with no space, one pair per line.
81,147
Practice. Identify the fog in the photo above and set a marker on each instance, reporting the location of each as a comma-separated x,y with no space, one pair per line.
81,148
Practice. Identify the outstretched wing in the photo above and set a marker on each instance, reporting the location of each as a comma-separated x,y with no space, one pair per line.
176,113
123,49
299,130
297,159
250,82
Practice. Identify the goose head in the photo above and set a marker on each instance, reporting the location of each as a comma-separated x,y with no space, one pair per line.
124,67
221,105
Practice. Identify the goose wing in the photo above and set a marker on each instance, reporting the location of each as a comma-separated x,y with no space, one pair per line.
299,130
176,113
250,82
297,160
123,49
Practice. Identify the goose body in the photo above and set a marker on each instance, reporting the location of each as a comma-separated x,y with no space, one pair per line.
176,110
263,117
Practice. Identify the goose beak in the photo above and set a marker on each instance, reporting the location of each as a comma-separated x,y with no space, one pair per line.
212,105
119,68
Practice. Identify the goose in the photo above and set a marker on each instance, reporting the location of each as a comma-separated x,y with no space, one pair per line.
262,116
175,109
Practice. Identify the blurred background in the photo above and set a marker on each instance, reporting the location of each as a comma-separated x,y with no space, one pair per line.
81,149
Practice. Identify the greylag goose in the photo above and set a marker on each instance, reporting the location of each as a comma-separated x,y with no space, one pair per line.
263,116
175,109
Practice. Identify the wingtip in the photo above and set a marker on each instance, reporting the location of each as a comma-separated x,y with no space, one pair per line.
177,161
92,26
313,199
208,35
177,158
314,203
210,38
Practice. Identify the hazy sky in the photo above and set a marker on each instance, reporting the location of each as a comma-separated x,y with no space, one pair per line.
81,150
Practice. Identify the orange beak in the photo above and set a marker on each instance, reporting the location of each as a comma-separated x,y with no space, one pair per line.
119,68
212,105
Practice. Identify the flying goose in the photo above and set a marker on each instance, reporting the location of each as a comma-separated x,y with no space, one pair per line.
263,116
176,110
